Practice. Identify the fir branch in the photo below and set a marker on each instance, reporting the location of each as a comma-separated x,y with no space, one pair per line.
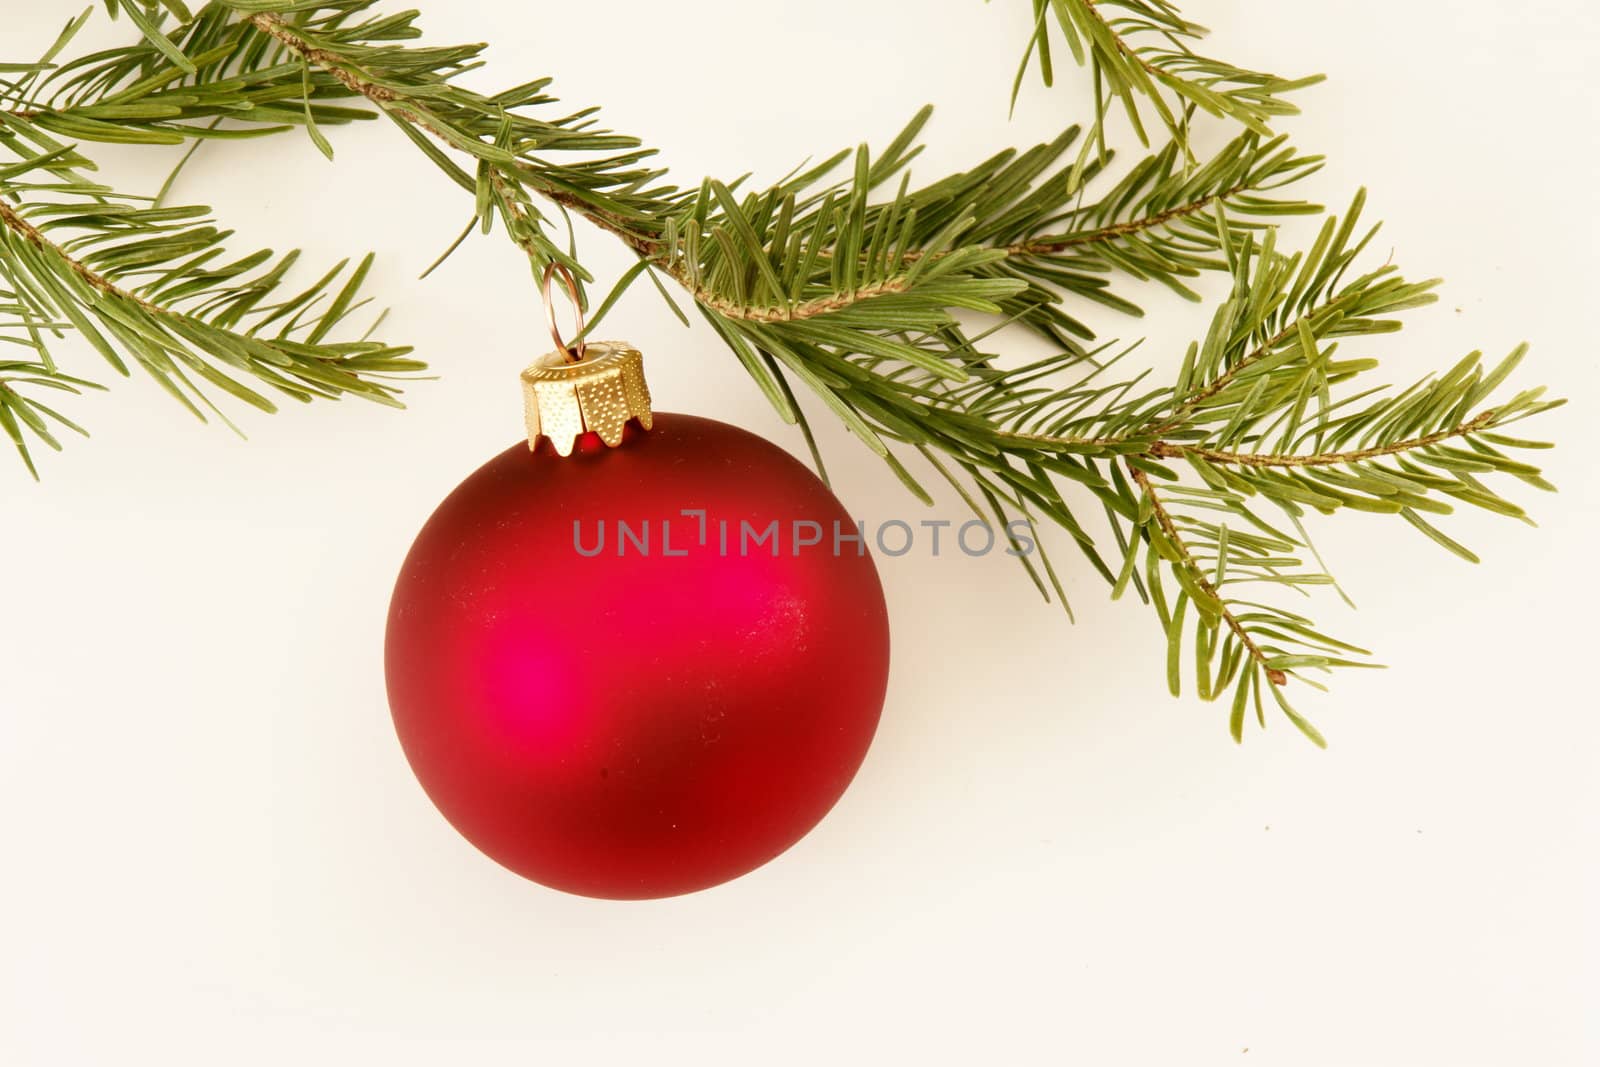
153,284
138,95
420,95
1139,54
1204,592
1167,450
1166,195
1159,193
847,276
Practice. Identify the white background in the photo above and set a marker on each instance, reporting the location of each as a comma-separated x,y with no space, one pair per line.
213,851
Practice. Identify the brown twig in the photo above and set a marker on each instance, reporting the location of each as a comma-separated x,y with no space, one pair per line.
13,220
1223,380
390,102
649,247
1170,528
1169,450
822,305
1041,246
1122,45
1044,440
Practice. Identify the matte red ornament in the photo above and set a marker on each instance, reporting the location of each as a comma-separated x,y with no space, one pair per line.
633,723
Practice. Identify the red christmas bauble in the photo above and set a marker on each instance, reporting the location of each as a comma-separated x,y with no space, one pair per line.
663,714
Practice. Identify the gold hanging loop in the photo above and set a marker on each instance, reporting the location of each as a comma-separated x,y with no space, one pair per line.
573,353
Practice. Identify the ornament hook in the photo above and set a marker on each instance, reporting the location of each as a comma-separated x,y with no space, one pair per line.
573,352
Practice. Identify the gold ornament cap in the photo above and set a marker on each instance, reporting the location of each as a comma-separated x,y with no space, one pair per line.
599,393
585,387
